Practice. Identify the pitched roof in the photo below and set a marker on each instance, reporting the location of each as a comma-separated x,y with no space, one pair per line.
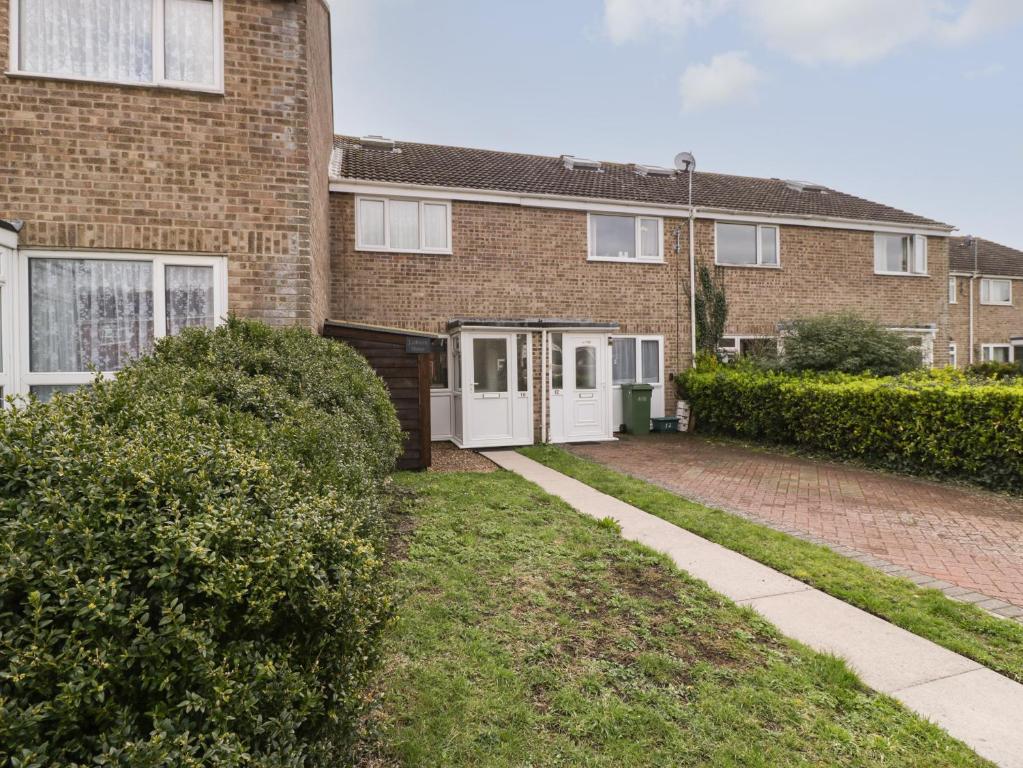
460,167
992,258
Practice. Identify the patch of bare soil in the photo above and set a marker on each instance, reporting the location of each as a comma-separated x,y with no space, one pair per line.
447,457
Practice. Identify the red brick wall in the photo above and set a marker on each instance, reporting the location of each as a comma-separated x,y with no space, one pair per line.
150,169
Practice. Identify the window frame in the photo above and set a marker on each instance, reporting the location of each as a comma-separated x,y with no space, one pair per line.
985,350
386,248
639,339
735,352
26,378
759,241
159,55
8,379
591,241
953,355
987,281
918,246
953,289
448,355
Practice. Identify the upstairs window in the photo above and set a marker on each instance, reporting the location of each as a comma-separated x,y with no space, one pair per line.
625,238
953,290
176,43
900,254
996,292
405,226
746,245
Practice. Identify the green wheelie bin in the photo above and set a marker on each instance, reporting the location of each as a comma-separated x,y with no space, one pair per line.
636,408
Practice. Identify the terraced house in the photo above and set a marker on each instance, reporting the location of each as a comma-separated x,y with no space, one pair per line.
180,163
985,294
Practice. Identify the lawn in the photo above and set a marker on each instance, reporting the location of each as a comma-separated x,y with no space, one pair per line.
529,635
966,629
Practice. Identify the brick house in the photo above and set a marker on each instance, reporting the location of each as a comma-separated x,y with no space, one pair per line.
559,279
161,179
181,163
985,292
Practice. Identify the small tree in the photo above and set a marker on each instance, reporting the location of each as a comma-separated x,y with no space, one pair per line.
848,343
711,311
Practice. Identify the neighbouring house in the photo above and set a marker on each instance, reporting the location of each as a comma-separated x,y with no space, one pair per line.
985,294
167,165
168,159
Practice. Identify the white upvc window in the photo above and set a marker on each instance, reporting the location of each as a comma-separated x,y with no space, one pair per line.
614,237
996,292
173,43
996,353
896,254
402,225
6,321
733,346
82,313
953,290
746,245
953,355
637,360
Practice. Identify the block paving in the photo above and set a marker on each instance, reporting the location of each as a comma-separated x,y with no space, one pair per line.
966,542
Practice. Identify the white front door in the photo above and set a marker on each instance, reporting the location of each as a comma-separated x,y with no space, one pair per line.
585,399
499,405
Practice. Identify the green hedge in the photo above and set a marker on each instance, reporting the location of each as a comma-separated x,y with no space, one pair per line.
936,423
191,557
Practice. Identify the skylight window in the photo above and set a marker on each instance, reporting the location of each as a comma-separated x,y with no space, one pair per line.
573,163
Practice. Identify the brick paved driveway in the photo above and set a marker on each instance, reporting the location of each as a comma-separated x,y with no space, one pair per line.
970,538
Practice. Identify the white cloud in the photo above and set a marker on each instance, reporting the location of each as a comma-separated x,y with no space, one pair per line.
813,31
727,78
855,31
626,20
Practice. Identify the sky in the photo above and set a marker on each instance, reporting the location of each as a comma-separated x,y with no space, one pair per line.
917,104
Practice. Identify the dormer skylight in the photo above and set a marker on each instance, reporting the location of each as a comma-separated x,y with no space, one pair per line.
376,142
805,186
653,170
573,163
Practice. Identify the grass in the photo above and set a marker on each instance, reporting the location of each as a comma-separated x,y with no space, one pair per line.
960,627
529,635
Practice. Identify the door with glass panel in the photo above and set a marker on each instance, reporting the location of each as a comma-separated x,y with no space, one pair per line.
499,406
586,395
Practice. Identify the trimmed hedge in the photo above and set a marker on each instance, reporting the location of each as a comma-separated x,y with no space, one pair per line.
934,423
191,557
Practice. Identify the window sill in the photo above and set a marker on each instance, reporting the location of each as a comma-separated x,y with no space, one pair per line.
408,251
1008,305
747,266
625,261
161,86
901,274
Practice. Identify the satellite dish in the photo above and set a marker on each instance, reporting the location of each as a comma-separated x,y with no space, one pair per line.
685,161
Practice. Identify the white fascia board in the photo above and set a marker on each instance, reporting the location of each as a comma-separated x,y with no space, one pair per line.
9,239
822,222
378,188
566,202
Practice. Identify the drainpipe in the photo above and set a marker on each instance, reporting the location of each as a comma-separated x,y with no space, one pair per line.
973,277
543,385
692,275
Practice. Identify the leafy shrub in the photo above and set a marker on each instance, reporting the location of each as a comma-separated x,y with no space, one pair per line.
990,369
926,422
183,578
847,343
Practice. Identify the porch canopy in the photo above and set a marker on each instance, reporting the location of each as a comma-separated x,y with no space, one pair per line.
530,323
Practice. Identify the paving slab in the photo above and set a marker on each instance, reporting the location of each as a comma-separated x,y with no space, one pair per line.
979,707
886,657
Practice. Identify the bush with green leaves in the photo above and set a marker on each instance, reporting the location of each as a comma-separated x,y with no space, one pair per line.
989,369
933,423
187,578
847,343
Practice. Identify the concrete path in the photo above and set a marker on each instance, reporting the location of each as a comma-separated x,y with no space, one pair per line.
977,706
